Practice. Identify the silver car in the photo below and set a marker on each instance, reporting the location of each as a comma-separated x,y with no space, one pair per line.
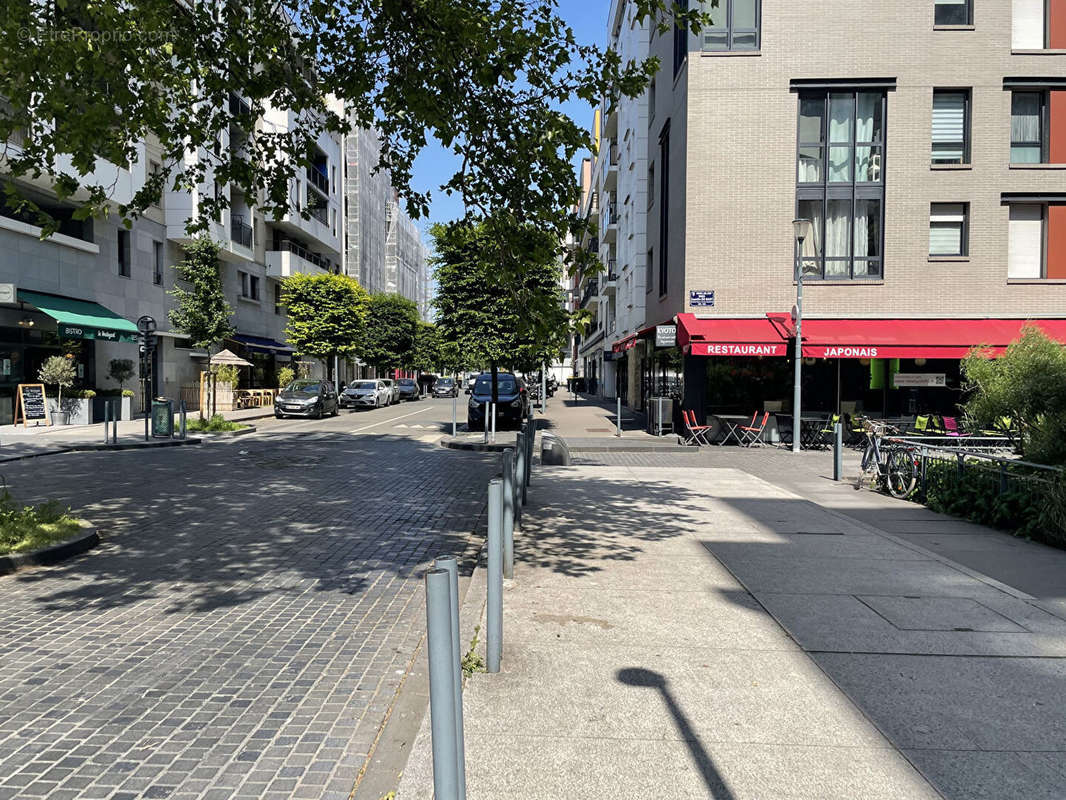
394,390
365,394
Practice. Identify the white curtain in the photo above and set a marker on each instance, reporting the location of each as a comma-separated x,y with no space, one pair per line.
1025,245
1027,32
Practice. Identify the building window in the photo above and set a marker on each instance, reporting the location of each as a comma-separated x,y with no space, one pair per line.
649,274
953,12
951,126
277,298
1035,25
734,26
651,101
249,285
1028,128
840,182
157,275
664,207
1026,248
124,253
680,40
651,185
949,229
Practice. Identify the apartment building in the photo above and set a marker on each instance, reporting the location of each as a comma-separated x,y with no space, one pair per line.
924,140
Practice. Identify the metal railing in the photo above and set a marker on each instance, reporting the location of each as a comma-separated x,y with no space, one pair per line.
1000,472
318,179
314,258
320,213
239,231
592,288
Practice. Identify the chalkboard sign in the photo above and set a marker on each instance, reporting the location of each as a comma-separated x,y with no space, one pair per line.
31,404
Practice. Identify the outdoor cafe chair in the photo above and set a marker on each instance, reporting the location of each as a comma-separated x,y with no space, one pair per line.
951,427
751,435
697,434
923,425
825,435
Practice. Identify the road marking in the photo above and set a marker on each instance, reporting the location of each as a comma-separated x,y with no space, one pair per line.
387,421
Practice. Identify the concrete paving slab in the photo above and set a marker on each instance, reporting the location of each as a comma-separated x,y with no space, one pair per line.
940,614
993,776
644,573
809,545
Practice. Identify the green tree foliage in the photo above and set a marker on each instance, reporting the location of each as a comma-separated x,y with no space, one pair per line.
327,315
482,77
426,355
120,370
1027,385
499,300
202,312
390,331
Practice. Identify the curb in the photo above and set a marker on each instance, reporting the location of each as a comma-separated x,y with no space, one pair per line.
478,447
226,434
89,448
12,562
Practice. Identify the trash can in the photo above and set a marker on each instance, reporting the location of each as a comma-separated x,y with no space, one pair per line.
162,418
553,451
661,416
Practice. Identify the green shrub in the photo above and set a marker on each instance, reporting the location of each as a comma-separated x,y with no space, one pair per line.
286,375
217,424
26,528
228,373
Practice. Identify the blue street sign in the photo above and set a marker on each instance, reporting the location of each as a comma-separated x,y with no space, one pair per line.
701,298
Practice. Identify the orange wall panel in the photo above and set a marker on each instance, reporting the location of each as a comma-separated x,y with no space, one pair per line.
1056,242
1057,145
1057,26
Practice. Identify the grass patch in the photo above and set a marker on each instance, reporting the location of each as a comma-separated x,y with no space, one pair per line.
27,528
217,424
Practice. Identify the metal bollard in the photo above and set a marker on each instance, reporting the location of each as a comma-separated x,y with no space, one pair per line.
494,612
527,437
184,430
521,453
441,685
532,446
838,452
485,426
107,422
508,513
455,402
451,565
618,417
494,423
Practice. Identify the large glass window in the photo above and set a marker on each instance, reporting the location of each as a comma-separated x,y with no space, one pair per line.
948,229
953,12
734,25
951,126
1027,128
840,182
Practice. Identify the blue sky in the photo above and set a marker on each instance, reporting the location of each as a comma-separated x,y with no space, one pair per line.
435,165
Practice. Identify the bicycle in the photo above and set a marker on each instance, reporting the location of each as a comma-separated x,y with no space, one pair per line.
894,466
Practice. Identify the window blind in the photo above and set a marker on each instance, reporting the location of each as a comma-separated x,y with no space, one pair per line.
1025,246
1028,26
946,221
949,127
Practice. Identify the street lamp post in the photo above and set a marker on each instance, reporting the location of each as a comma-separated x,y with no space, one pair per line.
802,228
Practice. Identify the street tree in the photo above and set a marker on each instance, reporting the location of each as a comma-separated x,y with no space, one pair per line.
326,316
87,83
391,325
426,354
499,305
202,312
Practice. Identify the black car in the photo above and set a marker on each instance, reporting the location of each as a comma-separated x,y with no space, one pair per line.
306,398
445,387
512,401
408,389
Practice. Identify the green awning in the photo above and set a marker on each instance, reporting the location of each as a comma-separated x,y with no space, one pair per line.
81,319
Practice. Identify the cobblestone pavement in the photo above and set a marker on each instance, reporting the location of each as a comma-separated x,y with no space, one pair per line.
247,620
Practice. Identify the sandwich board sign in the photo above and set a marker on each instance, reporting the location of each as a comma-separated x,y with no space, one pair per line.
31,404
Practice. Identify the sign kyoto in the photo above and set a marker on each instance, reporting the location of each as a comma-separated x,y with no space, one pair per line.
916,379
704,298
665,335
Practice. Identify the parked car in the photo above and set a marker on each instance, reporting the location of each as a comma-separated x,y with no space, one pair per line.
408,389
511,396
445,387
471,379
394,390
306,398
365,394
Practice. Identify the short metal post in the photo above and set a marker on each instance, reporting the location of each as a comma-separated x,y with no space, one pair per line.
116,412
184,430
838,452
618,417
531,439
519,473
494,422
441,685
107,422
494,612
524,482
543,389
147,413
451,565
455,402
508,512
485,427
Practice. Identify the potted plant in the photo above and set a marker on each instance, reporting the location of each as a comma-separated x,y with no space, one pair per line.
58,371
78,406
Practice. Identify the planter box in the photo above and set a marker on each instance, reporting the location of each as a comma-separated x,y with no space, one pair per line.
98,407
79,410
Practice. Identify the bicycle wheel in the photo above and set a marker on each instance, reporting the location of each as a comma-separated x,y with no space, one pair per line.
902,474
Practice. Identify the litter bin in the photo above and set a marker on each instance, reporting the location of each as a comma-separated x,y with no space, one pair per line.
661,416
553,451
162,418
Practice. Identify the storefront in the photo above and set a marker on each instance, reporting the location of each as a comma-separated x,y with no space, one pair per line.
266,356
46,325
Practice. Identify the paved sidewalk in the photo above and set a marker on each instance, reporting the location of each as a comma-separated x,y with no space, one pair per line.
705,633
18,442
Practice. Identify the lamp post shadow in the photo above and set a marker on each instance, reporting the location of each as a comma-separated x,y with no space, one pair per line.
636,676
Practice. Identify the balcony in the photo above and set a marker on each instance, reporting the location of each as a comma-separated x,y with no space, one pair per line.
319,180
610,223
289,258
240,233
610,168
592,289
610,280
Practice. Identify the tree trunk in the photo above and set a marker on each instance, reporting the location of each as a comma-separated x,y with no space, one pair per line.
495,386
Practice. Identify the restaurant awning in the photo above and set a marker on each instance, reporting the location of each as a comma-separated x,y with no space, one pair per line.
916,338
724,336
81,319
261,343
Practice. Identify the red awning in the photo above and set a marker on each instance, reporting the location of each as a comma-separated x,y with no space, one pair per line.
627,343
915,338
722,336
